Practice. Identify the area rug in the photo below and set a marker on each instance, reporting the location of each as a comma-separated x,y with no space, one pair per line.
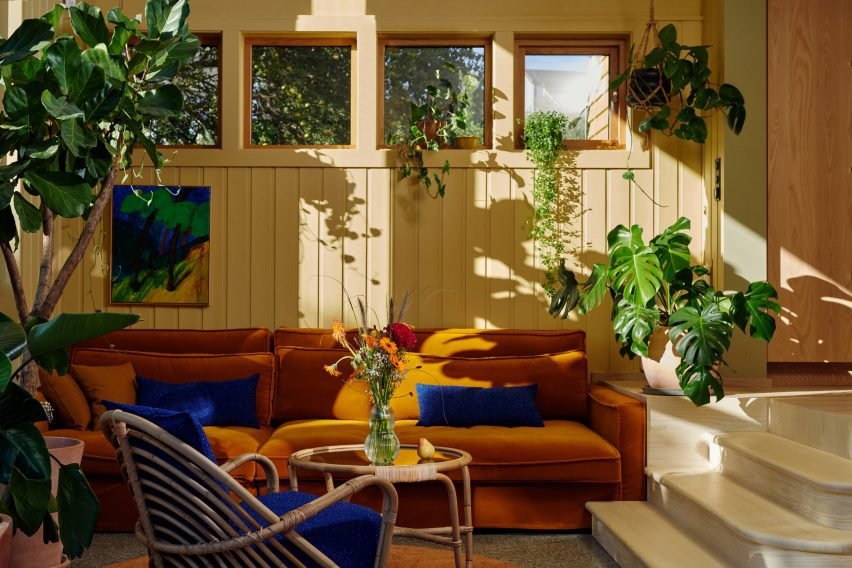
401,557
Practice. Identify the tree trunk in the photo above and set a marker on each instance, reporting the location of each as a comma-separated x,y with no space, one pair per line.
135,283
172,253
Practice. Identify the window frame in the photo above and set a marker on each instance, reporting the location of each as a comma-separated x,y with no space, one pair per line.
435,40
208,39
266,40
615,46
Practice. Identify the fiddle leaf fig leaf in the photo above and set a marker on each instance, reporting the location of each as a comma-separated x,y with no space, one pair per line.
66,60
28,214
164,102
76,136
25,41
66,193
59,108
88,23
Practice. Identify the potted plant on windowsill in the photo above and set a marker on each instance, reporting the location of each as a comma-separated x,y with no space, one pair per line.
465,133
663,306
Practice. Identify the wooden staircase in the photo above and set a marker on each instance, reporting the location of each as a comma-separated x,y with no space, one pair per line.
775,498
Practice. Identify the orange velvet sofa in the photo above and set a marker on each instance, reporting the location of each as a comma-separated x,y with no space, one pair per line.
592,447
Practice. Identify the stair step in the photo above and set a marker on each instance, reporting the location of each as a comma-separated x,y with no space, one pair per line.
822,422
745,527
637,535
811,482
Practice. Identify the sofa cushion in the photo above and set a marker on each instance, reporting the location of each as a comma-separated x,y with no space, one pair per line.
561,379
457,342
67,399
185,367
306,391
227,442
561,451
477,406
212,403
115,382
224,341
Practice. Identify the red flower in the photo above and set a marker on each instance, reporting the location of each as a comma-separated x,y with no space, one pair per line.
403,335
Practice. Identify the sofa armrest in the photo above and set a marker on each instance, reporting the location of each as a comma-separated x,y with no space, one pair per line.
620,419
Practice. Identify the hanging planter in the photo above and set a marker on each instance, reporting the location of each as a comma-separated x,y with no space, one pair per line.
670,83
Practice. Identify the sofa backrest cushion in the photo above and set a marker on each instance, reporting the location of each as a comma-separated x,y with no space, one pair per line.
252,340
306,391
457,342
561,380
69,403
187,367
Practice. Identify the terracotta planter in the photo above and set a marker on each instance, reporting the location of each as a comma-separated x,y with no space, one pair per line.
5,541
432,129
467,142
30,551
661,364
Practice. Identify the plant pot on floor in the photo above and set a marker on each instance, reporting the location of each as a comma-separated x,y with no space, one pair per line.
30,551
660,367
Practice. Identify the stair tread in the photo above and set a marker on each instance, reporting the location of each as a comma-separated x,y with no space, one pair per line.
808,464
652,536
836,404
757,518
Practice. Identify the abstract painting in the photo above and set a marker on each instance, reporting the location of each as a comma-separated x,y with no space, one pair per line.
160,245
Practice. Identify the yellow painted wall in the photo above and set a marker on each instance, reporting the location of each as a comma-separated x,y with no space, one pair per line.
290,226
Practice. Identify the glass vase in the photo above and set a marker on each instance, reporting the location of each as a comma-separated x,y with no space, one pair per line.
382,444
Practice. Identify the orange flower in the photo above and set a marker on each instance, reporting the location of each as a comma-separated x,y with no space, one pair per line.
388,345
338,332
331,370
370,341
398,363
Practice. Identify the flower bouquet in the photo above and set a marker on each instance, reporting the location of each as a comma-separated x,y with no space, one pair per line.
378,359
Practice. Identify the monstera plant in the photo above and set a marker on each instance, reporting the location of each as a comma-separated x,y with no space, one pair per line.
75,105
654,287
25,468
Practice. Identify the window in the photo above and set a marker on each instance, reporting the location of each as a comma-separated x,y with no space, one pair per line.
198,124
410,65
572,76
299,92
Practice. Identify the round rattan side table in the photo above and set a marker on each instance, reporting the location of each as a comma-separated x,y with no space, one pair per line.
407,468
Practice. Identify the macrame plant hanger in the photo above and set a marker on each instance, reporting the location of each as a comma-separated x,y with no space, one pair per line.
641,98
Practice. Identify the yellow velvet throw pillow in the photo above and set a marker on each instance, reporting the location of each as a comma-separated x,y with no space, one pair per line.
116,383
69,403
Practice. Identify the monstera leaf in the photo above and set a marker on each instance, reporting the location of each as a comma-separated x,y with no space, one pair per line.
566,297
696,381
633,325
751,309
672,248
703,336
594,289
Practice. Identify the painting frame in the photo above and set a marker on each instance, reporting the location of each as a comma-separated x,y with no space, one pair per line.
120,192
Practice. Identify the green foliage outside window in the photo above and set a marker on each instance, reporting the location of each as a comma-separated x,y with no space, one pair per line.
301,95
410,70
198,123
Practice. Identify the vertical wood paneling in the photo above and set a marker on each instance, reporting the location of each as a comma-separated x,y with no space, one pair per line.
524,275
598,328
501,214
453,269
237,239
477,249
190,317
379,222
310,195
572,229
286,247
216,314
355,242
666,181
428,244
405,244
332,229
262,248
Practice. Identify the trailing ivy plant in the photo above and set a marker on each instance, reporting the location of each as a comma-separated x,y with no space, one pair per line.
74,107
654,286
543,135
688,95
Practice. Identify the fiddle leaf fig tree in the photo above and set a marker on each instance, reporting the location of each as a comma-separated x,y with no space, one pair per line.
75,105
655,286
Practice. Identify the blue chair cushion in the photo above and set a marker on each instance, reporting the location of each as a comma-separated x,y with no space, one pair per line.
477,406
346,533
181,425
212,403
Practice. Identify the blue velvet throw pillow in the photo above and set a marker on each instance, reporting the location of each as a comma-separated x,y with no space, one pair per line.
181,425
478,406
212,403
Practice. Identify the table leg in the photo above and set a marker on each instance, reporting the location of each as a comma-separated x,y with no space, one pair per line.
294,481
454,517
468,517
329,482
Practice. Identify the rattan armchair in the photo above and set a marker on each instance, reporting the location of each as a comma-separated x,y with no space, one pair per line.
193,513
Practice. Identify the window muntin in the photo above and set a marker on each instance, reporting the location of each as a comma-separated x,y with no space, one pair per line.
300,92
199,123
572,76
409,65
